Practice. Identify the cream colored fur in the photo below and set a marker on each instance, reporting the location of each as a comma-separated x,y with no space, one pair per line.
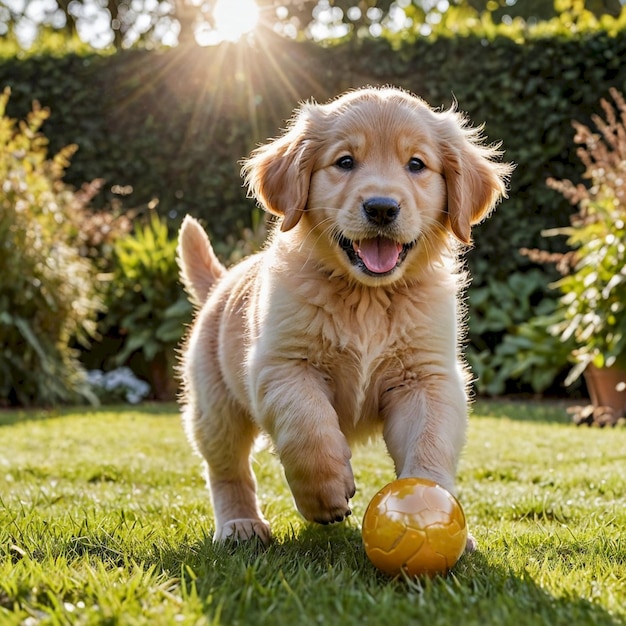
303,341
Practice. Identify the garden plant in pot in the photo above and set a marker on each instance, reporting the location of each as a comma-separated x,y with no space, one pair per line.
593,286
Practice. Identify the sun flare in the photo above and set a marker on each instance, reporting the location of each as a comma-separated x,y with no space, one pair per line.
235,18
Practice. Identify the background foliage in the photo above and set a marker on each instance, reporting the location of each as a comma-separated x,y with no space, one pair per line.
48,296
170,127
124,23
174,124
147,309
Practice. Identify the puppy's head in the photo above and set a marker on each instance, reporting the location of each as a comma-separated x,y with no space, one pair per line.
380,178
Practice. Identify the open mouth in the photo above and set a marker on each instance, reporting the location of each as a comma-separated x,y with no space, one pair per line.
378,256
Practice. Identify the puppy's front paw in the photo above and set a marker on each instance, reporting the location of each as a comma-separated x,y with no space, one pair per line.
325,498
243,530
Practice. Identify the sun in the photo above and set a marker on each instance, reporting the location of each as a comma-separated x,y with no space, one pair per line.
235,18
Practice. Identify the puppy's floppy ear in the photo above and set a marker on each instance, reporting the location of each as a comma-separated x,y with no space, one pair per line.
475,181
278,174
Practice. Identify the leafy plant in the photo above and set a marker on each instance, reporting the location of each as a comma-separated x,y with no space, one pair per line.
146,303
513,315
593,288
48,291
515,297
529,357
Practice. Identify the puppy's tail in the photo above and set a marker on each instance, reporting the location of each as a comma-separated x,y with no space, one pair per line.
200,269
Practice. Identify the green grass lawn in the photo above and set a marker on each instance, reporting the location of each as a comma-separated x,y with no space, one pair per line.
104,519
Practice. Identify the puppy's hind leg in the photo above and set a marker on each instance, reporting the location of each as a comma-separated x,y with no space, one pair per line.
225,441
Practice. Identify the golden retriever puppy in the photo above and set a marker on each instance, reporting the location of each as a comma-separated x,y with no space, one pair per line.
348,322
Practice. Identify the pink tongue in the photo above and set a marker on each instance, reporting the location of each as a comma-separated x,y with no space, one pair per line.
380,255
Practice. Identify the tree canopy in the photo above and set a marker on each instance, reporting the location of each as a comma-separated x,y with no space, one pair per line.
124,23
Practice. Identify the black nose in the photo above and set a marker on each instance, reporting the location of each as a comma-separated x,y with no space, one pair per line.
381,211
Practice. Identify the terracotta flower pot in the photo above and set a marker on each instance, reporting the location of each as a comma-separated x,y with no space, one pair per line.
607,388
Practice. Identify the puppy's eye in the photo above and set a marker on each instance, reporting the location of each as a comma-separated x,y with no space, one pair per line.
345,162
416,165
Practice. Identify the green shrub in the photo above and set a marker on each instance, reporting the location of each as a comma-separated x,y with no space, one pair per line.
146,305
511,349
48,295
173,124
529,358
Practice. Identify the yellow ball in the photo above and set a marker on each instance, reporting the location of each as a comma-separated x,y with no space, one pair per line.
416,526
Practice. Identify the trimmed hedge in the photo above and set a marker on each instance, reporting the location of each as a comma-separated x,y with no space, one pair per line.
173,124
